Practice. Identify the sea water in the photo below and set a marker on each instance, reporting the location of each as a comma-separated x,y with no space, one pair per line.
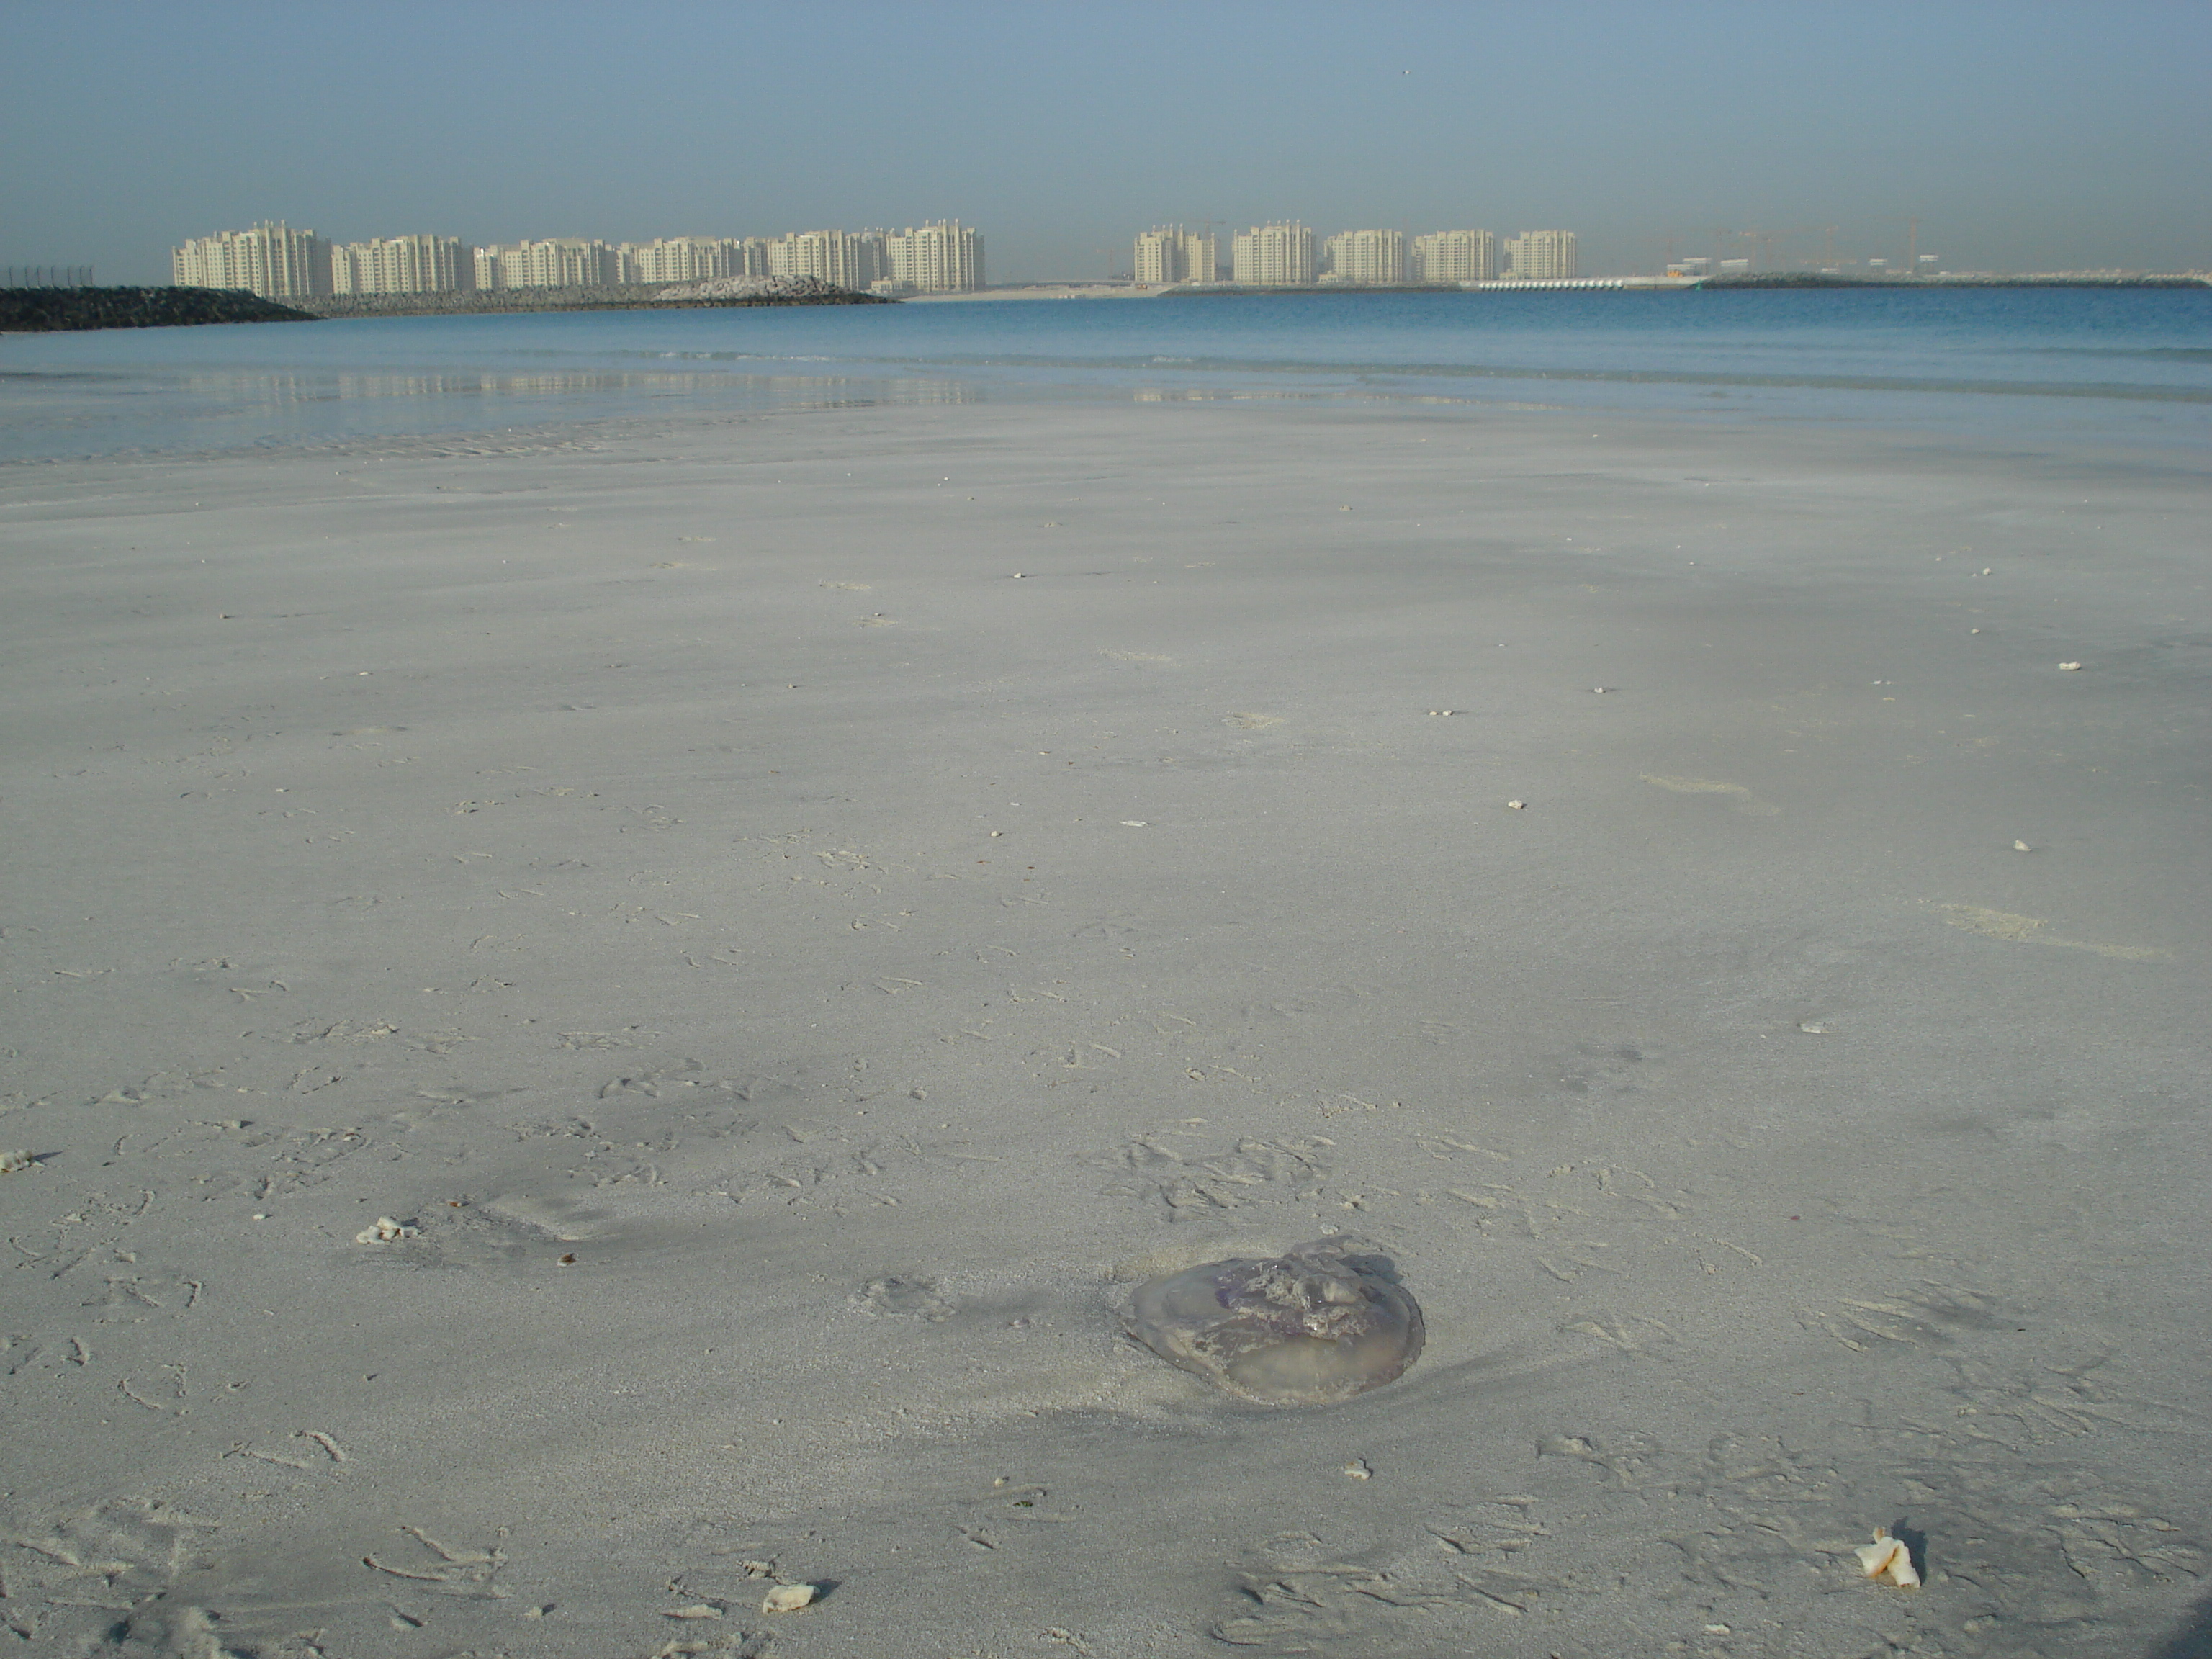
2103,366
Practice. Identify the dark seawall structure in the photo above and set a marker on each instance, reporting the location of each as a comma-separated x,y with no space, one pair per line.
39,310
42,310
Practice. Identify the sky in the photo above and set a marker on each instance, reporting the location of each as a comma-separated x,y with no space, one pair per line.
2023,135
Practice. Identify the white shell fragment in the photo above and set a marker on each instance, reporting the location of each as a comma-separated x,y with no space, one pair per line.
1887,1559
2068,667
789,1598
1518,805
387,1232
11,1162
2021,847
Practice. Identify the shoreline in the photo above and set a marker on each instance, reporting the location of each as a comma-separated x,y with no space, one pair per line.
40,310
1778,280
521,301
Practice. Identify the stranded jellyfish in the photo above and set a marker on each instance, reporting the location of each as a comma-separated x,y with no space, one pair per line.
1319,1323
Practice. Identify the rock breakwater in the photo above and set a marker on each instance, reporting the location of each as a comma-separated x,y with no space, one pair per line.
44,309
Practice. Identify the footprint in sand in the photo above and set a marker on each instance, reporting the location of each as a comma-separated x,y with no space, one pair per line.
1739,797
909,1294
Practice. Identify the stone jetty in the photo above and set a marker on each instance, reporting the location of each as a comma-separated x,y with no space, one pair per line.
42,310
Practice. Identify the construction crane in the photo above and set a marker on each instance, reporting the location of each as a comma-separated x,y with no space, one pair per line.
1911,242
1784,237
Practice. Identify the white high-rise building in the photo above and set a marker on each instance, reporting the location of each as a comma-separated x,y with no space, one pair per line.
1274,256
1167,254
402,264
1455,256
692,258
1540,256
943,256
558,262
272,260
848,259
1365,255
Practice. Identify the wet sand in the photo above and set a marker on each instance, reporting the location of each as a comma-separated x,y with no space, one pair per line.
795,917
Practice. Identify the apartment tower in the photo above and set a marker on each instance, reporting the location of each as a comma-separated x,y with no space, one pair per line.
1365,255
846,259
1540,256
693,259
402,264
943,256
1167,254
1274,256
557,261
272,260
1455,256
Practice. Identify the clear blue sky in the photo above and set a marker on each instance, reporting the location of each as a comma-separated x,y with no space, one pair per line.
2025,135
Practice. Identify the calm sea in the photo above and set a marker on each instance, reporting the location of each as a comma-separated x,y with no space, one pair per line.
2102,367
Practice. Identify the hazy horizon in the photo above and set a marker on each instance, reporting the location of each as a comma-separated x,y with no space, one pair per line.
2023,136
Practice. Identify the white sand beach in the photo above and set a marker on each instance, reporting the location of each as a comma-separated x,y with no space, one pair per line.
795,917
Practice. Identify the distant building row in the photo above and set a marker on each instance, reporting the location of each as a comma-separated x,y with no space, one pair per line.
1287,255
943,256
279,263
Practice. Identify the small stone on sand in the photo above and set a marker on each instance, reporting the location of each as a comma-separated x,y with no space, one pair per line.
789,1598
1518,805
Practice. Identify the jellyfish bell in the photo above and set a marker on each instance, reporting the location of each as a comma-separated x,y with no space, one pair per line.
1319,1323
